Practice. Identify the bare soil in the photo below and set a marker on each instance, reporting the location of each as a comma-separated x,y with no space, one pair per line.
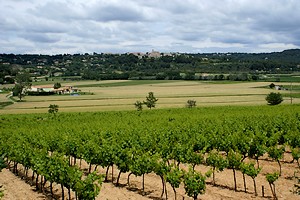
16,188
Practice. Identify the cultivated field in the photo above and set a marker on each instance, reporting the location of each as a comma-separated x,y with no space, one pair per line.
17,189
121,95
126,138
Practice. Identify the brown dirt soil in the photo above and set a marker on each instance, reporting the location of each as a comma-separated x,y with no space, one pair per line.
17,189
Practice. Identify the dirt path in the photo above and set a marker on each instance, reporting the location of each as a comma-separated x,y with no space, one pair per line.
17,189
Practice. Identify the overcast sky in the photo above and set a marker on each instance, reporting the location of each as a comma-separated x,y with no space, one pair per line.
119,26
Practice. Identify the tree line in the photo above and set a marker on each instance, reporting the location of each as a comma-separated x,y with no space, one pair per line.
166,66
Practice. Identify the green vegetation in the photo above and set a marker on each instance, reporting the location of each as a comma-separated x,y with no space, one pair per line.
53,109
234,162
45,69
2,166
276,153
22,84
274,98
282,78
150,100
194,184
174,177
57,85
217,162
271,178
138,105
190,103
50,146
250,170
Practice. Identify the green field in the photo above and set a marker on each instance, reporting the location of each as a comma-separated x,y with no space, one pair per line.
153,141
283,78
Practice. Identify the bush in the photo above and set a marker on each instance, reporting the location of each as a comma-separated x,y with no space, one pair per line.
138,105
53,109
274,98
272,85
57,85
191,103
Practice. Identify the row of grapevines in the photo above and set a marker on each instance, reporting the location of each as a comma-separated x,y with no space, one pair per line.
159,141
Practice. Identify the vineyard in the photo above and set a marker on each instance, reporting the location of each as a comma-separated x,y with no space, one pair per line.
185,149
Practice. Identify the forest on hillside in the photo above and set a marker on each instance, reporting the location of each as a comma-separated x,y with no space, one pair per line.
187,66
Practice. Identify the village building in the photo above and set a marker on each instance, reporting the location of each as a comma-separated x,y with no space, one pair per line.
49,90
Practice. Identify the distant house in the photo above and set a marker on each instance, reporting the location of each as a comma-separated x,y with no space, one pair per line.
41,90
277,87
280,87
66,90
49,90
154,54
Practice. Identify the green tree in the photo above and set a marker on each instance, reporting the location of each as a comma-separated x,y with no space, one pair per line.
274,98
53,109
191,103
57,85
150,100
22,84
138,105
272,85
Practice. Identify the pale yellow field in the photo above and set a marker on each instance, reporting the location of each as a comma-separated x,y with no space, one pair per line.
3,97
170,94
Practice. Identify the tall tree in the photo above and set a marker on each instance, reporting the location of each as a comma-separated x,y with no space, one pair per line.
150,100
22,84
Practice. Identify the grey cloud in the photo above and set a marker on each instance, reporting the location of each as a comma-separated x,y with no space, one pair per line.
39,37
116,13
59,11
171,25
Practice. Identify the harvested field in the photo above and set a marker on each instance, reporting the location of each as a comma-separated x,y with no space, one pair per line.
108,96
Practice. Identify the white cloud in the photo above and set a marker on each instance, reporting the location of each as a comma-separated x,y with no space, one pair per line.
78,26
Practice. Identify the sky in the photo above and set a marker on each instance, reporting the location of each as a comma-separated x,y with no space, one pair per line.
120,26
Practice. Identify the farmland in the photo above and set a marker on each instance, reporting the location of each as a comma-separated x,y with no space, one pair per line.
231,118
136,142
121,95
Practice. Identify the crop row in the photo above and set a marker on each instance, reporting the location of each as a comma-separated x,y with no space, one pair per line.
150,141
